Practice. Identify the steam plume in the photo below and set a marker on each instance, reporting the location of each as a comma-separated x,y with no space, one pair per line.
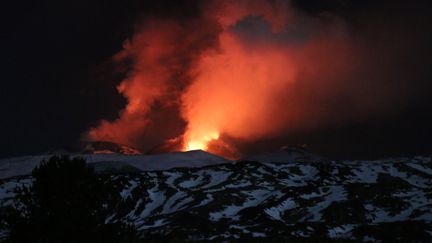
241,69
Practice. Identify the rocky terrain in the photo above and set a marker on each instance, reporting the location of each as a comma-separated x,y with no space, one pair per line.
371,201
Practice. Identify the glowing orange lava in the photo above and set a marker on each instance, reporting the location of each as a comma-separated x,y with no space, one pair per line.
200,142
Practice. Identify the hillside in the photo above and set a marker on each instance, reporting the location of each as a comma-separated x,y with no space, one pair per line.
370,201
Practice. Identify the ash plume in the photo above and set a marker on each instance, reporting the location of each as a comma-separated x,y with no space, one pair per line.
247,70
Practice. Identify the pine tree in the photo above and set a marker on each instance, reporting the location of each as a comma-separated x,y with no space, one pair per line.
67,202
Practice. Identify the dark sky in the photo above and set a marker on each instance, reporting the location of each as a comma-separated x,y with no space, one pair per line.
57,79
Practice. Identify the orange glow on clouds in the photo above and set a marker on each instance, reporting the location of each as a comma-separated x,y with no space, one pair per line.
227,83
200,141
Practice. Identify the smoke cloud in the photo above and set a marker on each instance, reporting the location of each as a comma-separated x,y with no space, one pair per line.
243,70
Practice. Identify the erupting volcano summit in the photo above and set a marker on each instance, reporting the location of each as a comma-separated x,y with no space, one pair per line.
239,71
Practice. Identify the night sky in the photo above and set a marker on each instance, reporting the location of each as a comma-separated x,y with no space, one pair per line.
58,81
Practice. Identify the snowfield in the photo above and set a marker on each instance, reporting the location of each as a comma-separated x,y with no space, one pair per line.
216,199
19,166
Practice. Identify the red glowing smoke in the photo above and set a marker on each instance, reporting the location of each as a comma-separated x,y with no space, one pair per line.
242,69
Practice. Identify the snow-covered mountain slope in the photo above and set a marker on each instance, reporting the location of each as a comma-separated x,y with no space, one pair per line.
24,165
291,154
371,201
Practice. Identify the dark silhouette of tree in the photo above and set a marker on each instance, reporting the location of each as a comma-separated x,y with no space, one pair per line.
67,202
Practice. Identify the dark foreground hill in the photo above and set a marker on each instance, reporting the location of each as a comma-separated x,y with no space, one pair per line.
370,201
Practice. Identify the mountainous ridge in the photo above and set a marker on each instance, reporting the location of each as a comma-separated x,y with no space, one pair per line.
294,201
23,165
